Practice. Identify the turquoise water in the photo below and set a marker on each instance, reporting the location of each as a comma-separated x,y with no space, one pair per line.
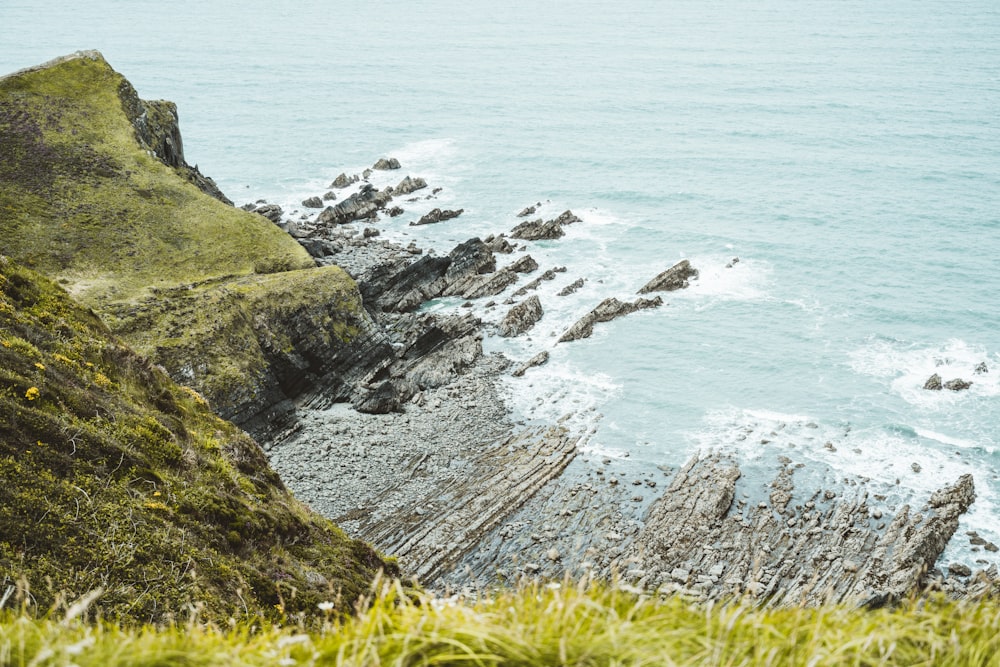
848,153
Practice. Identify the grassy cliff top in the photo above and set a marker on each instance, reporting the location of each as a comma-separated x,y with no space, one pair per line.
117,479
84,198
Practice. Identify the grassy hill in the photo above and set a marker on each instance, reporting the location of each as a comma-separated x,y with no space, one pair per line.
95,193
114,478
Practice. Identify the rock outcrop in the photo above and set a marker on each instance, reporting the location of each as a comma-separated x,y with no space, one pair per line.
385,164
537,230
408,185
539,359
825,549
362,205
933,383
437,215
674,278
606,311
521,317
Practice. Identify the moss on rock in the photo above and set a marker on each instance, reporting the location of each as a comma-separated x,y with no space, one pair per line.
116,478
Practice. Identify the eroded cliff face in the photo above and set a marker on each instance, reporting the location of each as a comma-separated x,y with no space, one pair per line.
97,194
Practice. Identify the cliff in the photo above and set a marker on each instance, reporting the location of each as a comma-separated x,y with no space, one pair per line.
95,193
117,479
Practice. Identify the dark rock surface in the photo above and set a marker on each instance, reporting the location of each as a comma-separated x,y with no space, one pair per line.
408,185
933,383
606,311
572,287
272,212
499,244
539,359
312,202
437,215
567,218
958,384
537,230
525,212
343,181
524,264
361,205
521,317
384,164
549,274
981,368
674,278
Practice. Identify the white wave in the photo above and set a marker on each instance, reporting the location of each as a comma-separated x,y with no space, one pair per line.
910,367
719,278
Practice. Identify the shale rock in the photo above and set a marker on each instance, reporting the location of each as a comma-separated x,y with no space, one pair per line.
329,195
524,265
385,164
408,185
674,278
521,317
606,311
362,205
499,244
550,274
567,218
537,230
572,287
437,215
538,360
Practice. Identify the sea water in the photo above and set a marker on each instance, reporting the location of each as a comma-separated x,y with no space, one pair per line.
847,153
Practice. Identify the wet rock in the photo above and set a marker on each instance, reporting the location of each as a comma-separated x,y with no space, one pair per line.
384,164
408,185
366,173
468,259
524,265
981,368
959,570
933,383
312,202
395,211
343,180
915,467
537,360
521,317
606,311
674,278
567,218
437,215
530,210
731,263
361,205
537,230
534,284
499,244
329,195
572,287
958,384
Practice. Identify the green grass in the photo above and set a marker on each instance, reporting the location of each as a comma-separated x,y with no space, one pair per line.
116,478
564,624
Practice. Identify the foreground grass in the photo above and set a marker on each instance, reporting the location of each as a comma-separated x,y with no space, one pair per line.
536,625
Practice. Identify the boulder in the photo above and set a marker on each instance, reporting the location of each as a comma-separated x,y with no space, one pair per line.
525,212
408,185
312,202
329,195
272,212
437,215
958,384
499,244
537,360
674,278
382,400
385,164
521,317
343,180
537,230
524,265
395,211
567,218
606,311
933,383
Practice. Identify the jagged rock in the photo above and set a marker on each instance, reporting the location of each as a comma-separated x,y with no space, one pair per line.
385,164
319,248
489,285
370,232
674,278
530,210
733,262
567,218
394,211
499,244
361,205
329,195
958,384
524,265
521,317
437,215
469,259
550,274
537,360
408,185
401,287
343,180
382,400
981,368
933,383
959,570
365,174
788,561
272,212
312,202
572,287
606,311
537,230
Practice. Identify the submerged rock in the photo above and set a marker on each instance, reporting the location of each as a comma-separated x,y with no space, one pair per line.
674,278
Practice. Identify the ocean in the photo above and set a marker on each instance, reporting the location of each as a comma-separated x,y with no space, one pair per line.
847,153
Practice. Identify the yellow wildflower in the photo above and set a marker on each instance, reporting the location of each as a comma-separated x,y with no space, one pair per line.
40,366
32,393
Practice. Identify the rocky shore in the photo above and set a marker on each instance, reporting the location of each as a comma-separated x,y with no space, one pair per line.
428,464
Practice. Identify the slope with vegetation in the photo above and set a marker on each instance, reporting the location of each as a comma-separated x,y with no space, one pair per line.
116,479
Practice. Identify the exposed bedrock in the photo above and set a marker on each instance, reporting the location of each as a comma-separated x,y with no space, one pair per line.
362,205
674,278
436,215
521,317
606,311
537,230
795,549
